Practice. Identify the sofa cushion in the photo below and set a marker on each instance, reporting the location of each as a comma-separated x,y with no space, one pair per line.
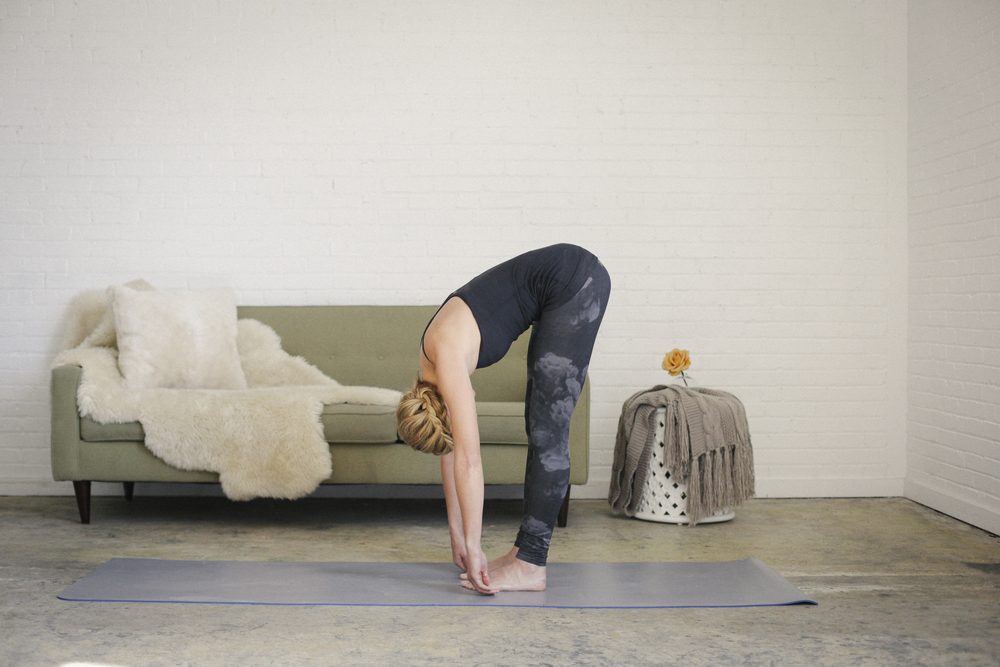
348,422
500,423
342,423
92,431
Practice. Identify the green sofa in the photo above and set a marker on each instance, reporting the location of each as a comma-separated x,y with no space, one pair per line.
356,345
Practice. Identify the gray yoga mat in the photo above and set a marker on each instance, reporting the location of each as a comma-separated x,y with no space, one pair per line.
739,583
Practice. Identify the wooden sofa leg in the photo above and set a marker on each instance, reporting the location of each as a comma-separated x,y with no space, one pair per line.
564,510
82,490
129,490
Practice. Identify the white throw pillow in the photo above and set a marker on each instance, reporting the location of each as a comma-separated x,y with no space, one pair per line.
177,338
103,334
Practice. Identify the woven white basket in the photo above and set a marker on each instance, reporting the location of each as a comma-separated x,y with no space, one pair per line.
664,498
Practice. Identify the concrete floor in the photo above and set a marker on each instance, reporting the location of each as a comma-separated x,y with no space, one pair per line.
897,584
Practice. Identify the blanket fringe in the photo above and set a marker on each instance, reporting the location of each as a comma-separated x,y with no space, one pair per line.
720,479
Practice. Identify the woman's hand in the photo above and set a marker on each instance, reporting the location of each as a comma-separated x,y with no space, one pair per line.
479,577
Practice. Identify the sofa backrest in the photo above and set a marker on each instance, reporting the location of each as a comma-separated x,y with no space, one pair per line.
379,346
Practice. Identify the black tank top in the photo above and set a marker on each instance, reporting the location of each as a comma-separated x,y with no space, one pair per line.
508,298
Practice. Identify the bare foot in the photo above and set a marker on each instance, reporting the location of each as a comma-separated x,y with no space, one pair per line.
516,575
495,564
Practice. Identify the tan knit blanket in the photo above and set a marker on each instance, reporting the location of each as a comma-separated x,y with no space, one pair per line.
706,443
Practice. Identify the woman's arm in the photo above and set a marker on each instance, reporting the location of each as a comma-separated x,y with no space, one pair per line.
455,387
454,510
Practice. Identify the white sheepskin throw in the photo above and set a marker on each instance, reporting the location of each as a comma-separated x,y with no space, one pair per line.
263,441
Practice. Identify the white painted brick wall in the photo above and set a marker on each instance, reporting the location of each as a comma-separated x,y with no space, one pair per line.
739,167
954,210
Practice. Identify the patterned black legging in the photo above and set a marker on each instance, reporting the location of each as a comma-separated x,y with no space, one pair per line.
559,350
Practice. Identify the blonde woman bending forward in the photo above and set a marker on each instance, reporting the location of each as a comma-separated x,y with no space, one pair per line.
562,290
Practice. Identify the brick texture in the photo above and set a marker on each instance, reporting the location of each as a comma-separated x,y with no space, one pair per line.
739,167
953,452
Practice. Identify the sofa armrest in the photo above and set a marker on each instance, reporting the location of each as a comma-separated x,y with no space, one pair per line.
65,438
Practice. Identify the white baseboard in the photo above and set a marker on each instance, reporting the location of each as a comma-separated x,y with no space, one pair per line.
987,518
886,487
791,488
36,488
766,488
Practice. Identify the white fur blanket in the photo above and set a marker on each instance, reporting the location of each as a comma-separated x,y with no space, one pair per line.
266,440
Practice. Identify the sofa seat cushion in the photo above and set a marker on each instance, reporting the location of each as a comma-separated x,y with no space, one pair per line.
342,423
500,423
92,431
348,422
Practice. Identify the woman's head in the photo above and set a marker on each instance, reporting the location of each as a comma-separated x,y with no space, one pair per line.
422,420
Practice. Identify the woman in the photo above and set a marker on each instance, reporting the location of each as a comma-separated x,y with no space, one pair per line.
563,291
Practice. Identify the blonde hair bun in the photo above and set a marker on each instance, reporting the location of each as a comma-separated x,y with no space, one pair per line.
422,420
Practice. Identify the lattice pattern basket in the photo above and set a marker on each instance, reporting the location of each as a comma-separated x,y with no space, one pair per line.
664,498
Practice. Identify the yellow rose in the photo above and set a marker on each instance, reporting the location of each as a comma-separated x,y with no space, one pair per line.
676,361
